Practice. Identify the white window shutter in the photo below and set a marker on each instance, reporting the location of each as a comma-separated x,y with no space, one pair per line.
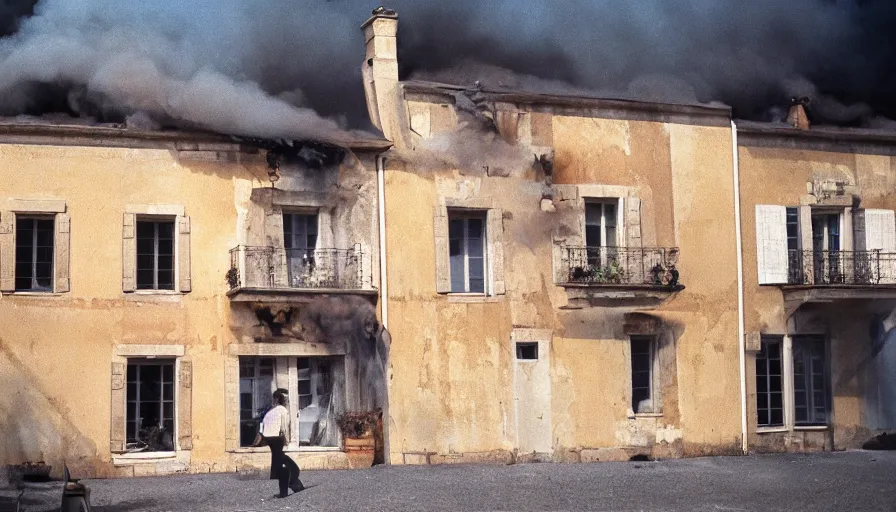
771,243
129,253
7,252
185,283
61,253
880,230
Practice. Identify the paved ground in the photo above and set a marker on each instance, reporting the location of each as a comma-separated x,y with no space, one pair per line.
857,480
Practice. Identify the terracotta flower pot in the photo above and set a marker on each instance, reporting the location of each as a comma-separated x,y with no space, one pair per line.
360,451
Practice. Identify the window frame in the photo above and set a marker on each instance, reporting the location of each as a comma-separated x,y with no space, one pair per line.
782,388
655,406
35,218
175,273
465,216
335,369
811,393
139,362
256,376
603,202
789,388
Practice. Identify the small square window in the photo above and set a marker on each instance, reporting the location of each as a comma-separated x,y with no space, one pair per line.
527,350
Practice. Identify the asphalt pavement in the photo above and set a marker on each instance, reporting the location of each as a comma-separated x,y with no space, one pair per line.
856,480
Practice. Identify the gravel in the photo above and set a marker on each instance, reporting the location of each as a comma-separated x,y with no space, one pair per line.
855,480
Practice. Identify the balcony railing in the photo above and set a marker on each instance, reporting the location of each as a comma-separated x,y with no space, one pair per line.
278,268
824,268
633,266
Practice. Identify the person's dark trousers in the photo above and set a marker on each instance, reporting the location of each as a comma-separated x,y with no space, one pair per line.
283,467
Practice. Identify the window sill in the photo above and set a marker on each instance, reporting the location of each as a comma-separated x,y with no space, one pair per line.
810,428
142,457
155,292
771,430
288,449
646,415
468,298
32,294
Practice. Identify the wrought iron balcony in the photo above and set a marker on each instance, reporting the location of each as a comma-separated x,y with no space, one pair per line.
831,268
620,266
273,268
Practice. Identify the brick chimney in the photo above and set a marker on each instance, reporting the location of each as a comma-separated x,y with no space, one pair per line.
797,116
380,73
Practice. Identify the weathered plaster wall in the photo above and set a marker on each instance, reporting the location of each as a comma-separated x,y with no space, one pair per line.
859,405
452,363
58,348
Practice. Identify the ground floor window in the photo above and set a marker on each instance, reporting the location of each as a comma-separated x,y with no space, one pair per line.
150,405
321,397
643,377
769,383
792,382
256,389
810,381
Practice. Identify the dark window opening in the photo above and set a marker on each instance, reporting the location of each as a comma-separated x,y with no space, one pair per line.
769,386
155,255
527,350
466,234
256,389
600,231
34,254
642,349
150,405
810,382
300,242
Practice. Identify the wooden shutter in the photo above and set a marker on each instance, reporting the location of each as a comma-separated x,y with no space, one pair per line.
771,243
632,219
185,405
879,230
443,267
495,234
129,253
117,426
273,230
185,283
7,252
61,253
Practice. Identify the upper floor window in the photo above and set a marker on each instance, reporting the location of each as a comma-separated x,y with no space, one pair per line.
600,223
155,255
34,254
466,242
299,232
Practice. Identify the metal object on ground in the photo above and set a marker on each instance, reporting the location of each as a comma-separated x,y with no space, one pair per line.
75,496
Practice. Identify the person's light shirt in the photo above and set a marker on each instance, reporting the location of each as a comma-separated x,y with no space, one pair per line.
275,421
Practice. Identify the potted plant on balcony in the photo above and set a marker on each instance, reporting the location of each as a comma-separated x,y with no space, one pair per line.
358,436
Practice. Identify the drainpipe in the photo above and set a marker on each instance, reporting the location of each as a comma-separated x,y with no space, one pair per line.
381,213
740,291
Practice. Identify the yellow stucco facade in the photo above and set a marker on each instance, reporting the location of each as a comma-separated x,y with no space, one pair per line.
512,277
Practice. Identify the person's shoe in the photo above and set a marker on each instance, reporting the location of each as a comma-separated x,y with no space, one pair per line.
297,487
281,495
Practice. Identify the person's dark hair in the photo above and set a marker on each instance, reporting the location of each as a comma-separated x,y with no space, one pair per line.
280,396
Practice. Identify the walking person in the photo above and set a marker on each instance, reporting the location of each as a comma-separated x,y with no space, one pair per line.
275,433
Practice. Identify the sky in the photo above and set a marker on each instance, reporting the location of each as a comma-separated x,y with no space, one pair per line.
291,68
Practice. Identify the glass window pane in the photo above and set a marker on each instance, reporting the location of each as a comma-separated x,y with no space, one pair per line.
592,236
456,228
145,279
145,229
477,268
477,286
611,237
593,214
610,215
474,228
474,247
166,230
457,273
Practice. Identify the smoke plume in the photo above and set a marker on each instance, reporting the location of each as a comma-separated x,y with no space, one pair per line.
290,68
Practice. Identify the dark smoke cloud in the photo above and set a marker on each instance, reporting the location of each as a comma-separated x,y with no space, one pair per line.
291,67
